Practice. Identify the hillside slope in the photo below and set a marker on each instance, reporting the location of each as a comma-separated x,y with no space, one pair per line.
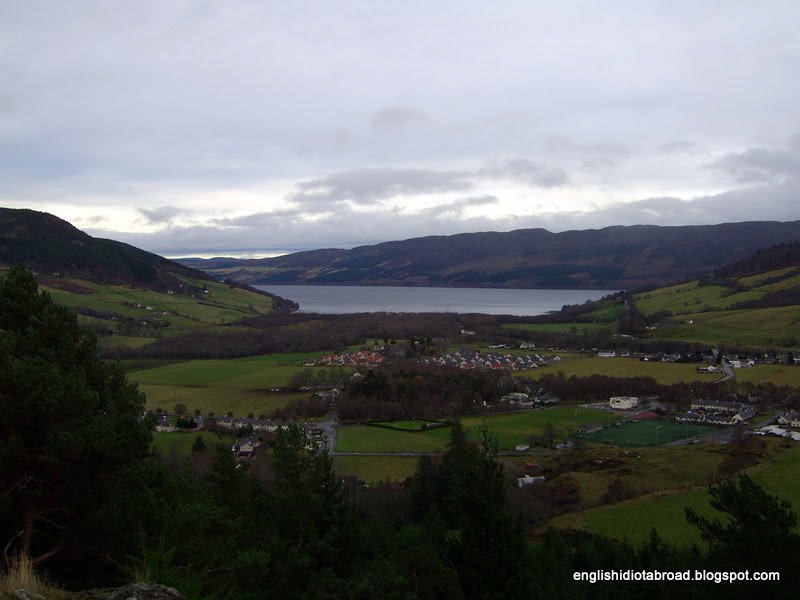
47,244
620,257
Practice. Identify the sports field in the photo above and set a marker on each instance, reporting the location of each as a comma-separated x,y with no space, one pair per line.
650,432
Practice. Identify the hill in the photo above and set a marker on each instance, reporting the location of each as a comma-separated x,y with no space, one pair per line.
47,244
130,297
620,257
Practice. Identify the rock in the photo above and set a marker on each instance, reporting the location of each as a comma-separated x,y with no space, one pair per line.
26,595
136,591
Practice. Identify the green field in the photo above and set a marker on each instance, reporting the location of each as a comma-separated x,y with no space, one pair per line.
633,519
575,327
178,443
666,373
241,385
406,424
778,326
376,469
650,432
222,305
776,374
509,429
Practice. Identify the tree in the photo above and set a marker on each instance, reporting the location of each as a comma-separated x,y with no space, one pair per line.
71,424
758,533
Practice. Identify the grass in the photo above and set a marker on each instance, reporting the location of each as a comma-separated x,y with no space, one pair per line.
633,519
509,429
405,425
574,327
376,469
268,370
650,432
364,438
222,305
219,400
776,374
666,373
21,575
779,326
180,443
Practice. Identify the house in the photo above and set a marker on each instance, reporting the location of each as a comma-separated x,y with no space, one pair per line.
164,425
606,354
529,480
623,402
792,419
245,447
521,448
716,406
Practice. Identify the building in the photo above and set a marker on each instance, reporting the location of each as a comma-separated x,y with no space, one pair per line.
623,402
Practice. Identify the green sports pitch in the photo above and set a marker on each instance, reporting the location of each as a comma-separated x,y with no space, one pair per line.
651,432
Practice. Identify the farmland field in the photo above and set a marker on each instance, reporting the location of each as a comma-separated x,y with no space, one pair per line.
667,373
775,374
650,432
509,429
575,327
240,385
180,443
408,424
779,326
633,519
374,469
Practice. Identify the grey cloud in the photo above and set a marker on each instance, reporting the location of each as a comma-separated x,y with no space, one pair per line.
263,219
161,215
456,208
528,172
393,117
346,228
362,186
761,164
677,147
565,145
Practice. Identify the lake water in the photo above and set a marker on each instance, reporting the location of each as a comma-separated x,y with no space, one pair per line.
356,299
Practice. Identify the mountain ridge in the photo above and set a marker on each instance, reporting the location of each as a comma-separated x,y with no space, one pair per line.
615,257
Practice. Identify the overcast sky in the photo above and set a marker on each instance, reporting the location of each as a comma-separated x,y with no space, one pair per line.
203,127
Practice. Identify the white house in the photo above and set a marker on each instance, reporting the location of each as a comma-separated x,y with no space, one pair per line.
528,480
623,402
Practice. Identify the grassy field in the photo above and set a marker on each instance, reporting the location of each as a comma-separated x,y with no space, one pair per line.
180,443
778,326
405,425
650,432
374,469
509,429
775,374
221,385
220,306
667,373
579,328
633,519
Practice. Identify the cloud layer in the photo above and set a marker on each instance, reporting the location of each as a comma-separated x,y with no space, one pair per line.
193,126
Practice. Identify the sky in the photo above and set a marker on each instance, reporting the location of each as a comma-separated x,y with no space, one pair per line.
203,128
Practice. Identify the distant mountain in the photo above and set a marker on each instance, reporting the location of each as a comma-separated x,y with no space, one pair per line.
620,257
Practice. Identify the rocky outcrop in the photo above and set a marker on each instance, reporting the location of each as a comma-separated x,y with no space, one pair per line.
134,591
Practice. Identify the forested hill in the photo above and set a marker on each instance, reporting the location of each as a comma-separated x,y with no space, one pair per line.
620,257
46,244
780,256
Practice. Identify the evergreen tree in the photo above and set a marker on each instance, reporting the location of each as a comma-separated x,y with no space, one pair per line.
71,424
